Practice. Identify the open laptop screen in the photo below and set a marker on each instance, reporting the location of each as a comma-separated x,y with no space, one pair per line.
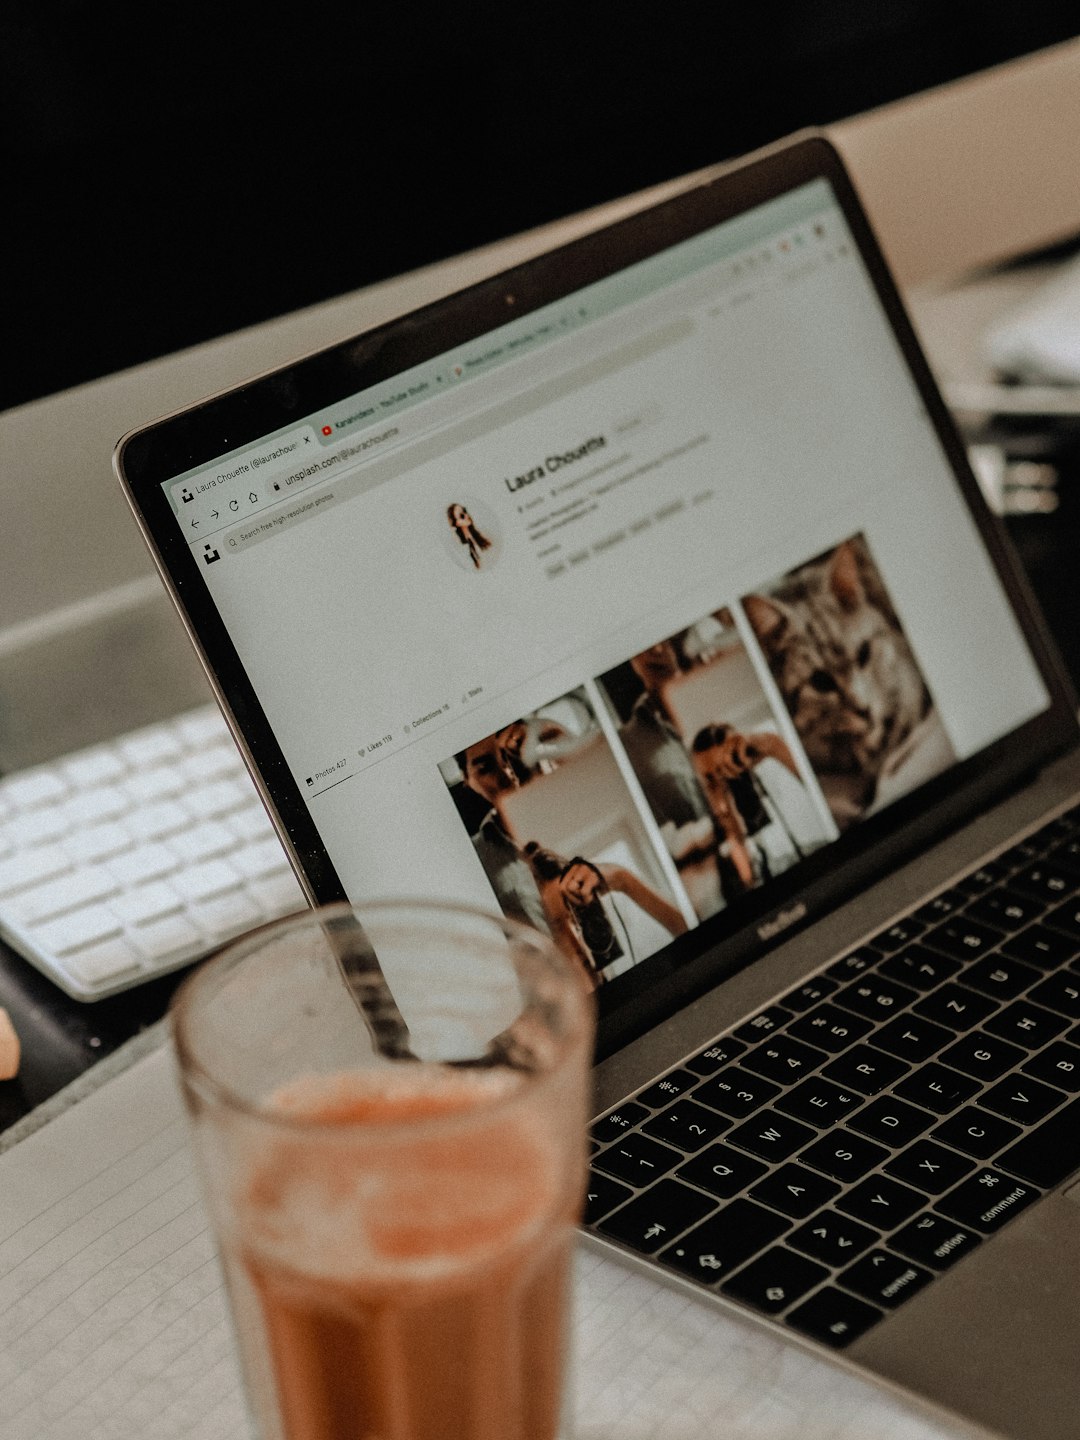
630,613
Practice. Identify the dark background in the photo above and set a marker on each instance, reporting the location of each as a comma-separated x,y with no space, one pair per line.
175,172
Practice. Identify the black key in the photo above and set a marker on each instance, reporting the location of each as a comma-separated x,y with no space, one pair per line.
1058,1064
1039,945
955,1006
844,1156
602,1195
637,1160
669,1088
930,1167
809,994
920,967
865,1069
885,1279
1066,917
910,1037
783,1059
898,935
937,1088
1065,855
1025,1024
1006,909
795,1191
1059,992
983,878
1051,1152
624,1118
962,938
947,903
881,1202
983,1056
834,1238
875,997
762,1024
891,1121
833,1318
687,1125
976,1132
1022,1099
722,1171
656,1217
832,1029
932,1240
716,1056
774,1280
987,1201
725,1240
819,1102
771,1135
854,964
1045,881
736,1092
999,977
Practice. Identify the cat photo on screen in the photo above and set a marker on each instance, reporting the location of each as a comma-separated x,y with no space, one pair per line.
849,679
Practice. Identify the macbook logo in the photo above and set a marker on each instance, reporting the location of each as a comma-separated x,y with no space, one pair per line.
782,921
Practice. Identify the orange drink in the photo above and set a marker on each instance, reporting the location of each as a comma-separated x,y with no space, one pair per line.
397,1234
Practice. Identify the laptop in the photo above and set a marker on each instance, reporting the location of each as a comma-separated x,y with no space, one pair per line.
644,593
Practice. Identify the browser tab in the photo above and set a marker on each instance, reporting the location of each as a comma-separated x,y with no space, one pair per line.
236,480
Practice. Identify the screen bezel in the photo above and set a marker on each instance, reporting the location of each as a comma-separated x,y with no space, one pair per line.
657,986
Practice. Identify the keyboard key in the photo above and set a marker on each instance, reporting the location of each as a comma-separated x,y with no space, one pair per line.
58,897
716,1056
1050,1153
669,1088
834,1318
150,746
157,821
1045,881
898,935
819,1102
1022,1099
211,839
810,994
876,998
987,1201
783,1059
976,1132
962,938
602,1194
224,916
955,1006
932,1240
170,938
910,1037
771,1136
613,1126
1006,909
937,908
104,963
937,1088
774,1018
30,788
844,1156
987,875
881,1202
147,862
919,966
147,903
99,842
865,1069
1026,1024
1065,916
1059,992
32,867
687,1125
637,1159
722,1171
1000,978
930,1167
774,1280
736,1092
885,1279
854,964
656,1217
1040,945
795,1191
982,1056
830,1028
200,882
79,929
891,1121
836,1239
1058,1064
99,765
724,1241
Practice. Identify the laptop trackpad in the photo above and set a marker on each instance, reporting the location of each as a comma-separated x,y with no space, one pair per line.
995,1338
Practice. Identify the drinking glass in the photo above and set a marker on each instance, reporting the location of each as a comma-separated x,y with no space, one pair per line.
388,1111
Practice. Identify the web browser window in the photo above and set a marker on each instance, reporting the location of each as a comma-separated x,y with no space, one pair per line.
622,611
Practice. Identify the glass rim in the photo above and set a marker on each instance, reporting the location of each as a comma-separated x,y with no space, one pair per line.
195,1076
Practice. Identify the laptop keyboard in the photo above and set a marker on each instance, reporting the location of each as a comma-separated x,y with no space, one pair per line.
130,859
831,1156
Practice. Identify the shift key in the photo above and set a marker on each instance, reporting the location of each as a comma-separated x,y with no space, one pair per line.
1049,1153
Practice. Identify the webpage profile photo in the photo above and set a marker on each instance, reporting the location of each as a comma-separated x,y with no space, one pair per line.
471,536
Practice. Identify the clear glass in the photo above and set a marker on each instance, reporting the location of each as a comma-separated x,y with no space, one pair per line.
388,1108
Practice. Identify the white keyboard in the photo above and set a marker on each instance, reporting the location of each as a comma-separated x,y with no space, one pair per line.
132,858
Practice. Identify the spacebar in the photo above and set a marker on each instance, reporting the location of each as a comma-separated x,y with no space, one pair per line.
1049,1153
